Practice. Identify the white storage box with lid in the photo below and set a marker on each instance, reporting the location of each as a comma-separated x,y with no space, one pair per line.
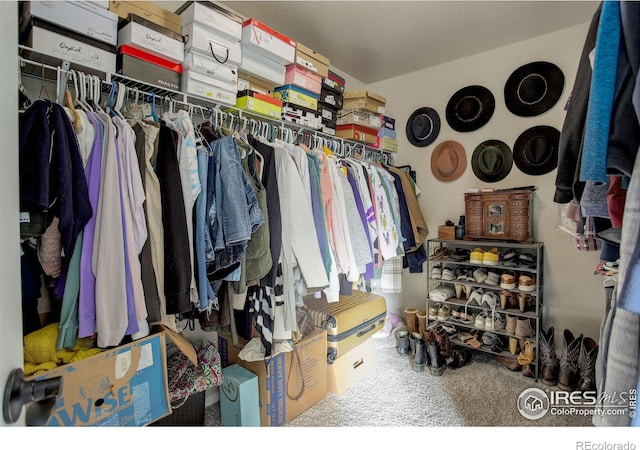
145,35
205,41
264,40
213,17
208,66
194,83
44,39
262,67
84,18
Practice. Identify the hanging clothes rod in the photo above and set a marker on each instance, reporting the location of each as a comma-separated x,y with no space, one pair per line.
169,98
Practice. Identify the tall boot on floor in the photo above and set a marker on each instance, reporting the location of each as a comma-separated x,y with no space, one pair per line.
548,360
411,316
568,376
402,342
420,358
587,365
422,321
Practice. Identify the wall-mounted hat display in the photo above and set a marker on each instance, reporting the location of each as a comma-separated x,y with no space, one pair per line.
470,108
423,126
535,152
492,161
533,88
448,161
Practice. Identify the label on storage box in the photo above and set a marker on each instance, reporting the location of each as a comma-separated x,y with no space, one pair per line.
277,408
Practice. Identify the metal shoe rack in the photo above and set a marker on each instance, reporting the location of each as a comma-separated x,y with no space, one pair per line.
535,315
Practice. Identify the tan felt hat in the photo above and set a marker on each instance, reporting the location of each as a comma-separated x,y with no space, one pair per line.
448,161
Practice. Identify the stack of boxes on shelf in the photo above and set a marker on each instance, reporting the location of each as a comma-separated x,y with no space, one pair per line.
330,101
360,118
387,135
265,54
303,81
148,49
83,33
213,52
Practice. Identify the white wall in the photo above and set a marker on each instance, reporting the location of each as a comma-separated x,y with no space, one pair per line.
573,296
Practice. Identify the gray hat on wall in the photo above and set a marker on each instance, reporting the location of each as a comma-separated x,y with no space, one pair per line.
423,126
492,161
533,88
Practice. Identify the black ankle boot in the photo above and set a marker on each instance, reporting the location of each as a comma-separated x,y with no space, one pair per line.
438,363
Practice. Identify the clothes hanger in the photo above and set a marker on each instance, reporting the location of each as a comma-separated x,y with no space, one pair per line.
43,87
121,94
68,102
24,98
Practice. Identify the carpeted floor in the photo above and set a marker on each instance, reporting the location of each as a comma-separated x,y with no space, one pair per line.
482,393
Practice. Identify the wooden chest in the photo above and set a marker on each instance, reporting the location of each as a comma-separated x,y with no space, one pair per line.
503,215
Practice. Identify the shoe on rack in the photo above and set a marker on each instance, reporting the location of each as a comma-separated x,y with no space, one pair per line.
523,327
527,354
433,311
508,300
460,358
527,283
475,298
460,273
444,313
513,346
490,299
526,260
510,327
459,290
480,275
525,302
494,322
489,339
459,254
493,278
469,276
436,272
469,339
467,318
509,363
439,253
510,258
492,257
467,290
448,273
456,312
508,280
476,256
481,320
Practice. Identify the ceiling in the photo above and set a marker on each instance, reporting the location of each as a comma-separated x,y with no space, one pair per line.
377,40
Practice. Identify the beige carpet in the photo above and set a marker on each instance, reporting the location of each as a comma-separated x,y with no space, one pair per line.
482,393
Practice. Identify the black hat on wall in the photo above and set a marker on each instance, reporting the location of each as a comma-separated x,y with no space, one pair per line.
423,126
533,88
470,108
535,152
492,161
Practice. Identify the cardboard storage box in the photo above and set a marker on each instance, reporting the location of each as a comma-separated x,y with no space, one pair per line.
139,65
146,35
304,78
205,41
150,11
358,133
312,60
359,117
334,82
60,43
446,232
200,85
208,66
387,143
352,367
123,386
365,100
281,381
264,40
213,17
296,95
84,18
239,401
259,103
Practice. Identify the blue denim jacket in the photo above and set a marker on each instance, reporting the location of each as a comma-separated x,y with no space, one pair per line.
233,211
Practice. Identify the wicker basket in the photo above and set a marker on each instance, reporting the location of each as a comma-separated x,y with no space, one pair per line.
190,414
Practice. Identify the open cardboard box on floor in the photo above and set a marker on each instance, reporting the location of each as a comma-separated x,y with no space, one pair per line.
123,386
301,373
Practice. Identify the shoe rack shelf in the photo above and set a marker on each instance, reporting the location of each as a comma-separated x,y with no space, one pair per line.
534,314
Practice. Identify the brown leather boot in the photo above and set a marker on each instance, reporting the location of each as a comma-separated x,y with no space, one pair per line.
587,380
509,363
548,360
568,376
411,316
